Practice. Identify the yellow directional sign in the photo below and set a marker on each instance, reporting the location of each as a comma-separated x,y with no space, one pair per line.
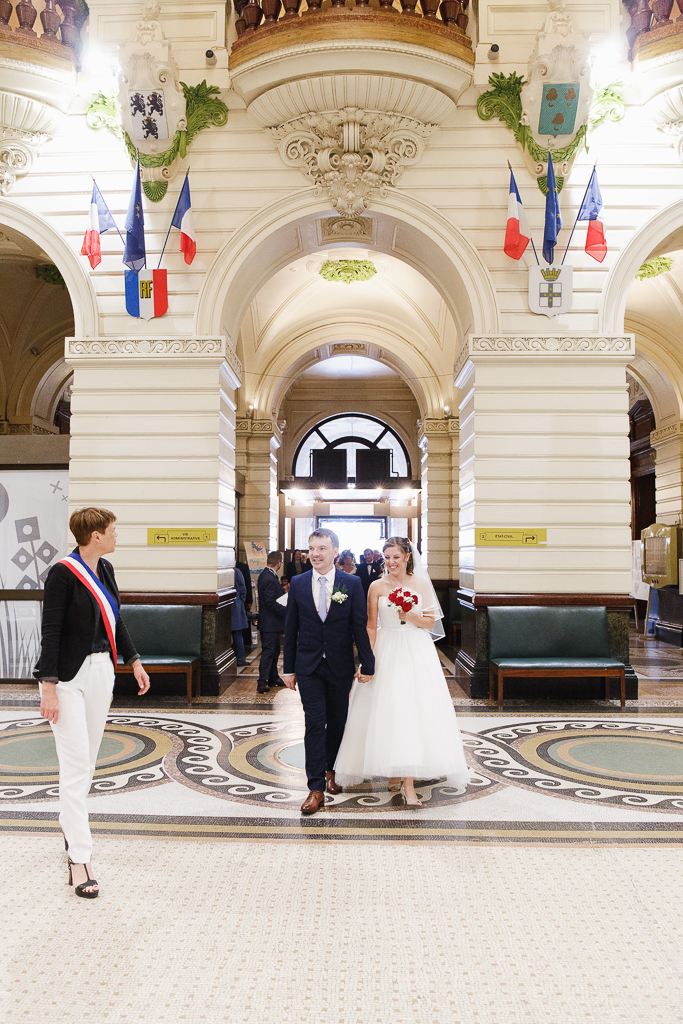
169,538
510,538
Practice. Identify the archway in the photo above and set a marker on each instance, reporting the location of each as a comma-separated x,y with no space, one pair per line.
291,228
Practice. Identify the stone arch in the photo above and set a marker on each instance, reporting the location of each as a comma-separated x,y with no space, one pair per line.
78,283
293,355
663,232
286,230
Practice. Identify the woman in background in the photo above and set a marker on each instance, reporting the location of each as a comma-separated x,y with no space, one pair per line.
296,566
240,621
347,562
82,631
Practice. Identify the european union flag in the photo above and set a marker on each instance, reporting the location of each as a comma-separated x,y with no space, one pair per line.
134,255
553,220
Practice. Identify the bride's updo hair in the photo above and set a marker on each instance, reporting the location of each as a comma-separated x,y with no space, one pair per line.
404,544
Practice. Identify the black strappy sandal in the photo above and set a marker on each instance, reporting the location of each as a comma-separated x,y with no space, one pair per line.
82,889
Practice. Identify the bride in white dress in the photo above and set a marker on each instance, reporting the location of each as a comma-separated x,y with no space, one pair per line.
401,724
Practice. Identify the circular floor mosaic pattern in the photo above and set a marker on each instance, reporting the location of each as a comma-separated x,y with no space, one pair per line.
631,764
607,761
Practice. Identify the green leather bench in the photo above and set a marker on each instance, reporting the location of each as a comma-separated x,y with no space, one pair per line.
168,638
550,642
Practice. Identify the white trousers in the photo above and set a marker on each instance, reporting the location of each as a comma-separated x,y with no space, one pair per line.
83,707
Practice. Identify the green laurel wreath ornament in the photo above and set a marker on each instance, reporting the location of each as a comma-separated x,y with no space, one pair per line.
202,110
50,273
348,271
504,101
654,267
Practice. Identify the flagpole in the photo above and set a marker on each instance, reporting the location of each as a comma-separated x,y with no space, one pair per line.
187,175
105,203
530,238
577,215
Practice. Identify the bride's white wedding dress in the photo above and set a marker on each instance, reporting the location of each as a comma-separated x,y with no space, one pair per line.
402,722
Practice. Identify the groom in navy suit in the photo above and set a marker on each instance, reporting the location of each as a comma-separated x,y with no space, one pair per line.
326,612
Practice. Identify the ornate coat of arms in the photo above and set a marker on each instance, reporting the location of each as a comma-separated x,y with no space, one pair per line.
550,290
150,98
557,96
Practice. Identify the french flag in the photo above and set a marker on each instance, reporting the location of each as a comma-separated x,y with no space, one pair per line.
596,245
517,233
182,219
101,220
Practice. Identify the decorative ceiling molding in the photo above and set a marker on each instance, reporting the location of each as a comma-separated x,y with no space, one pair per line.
168,348
345,229
352,153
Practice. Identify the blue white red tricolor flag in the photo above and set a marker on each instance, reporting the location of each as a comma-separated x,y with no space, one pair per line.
182,219
146,293
517,233
101,220
596,245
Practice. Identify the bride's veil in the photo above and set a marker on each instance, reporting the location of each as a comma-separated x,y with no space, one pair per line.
430,602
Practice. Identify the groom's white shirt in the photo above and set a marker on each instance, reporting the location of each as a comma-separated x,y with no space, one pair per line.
329,585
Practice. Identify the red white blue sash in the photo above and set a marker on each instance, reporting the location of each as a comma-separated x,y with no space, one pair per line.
106,602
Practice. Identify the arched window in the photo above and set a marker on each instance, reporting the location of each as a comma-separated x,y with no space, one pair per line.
352,448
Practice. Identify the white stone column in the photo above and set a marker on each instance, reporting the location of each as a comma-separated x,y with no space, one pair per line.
258,442
544,444
153,439
438,442
668,445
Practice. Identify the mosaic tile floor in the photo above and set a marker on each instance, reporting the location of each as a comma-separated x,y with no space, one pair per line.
548,892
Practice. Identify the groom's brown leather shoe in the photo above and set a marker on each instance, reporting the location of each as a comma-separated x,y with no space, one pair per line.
313,802
331,784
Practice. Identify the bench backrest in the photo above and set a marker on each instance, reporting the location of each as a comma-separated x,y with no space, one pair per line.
538,631
165,630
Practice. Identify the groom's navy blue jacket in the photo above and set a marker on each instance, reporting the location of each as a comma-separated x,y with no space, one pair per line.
308,638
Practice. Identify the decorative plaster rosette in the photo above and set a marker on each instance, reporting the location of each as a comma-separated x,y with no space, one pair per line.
348,271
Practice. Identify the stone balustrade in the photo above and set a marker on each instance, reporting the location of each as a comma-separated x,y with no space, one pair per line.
652,21
267,15
41,25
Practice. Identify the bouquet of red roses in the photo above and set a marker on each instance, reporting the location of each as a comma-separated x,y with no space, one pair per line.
403,599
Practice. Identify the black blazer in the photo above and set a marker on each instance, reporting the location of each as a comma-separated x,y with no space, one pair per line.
70,615
307,637
368,573
271,615
246,576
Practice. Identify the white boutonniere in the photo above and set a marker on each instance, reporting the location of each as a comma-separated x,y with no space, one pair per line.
339,595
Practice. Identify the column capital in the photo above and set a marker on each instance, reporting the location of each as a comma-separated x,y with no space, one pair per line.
543,346
190,349
262,429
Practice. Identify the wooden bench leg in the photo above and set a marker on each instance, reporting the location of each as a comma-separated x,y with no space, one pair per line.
622,682
500,688
608,688
190,675
492,683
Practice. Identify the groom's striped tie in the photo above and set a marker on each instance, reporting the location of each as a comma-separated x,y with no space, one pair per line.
322,598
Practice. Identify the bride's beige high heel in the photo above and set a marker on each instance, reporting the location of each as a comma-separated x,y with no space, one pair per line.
416,802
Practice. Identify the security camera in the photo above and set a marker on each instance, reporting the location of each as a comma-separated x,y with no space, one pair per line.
493,52
210,59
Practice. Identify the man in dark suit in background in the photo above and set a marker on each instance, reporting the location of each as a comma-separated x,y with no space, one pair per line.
367,570
271,619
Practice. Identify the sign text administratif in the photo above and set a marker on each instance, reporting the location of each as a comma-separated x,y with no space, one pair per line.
177,536
510,538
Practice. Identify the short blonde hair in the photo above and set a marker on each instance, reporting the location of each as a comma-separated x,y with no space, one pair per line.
86,521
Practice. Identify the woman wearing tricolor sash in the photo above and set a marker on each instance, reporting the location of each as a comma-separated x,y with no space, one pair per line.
82,633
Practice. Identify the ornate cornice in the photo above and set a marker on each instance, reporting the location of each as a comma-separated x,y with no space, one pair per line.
463,356
675,430
352,153
146,348
549,345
